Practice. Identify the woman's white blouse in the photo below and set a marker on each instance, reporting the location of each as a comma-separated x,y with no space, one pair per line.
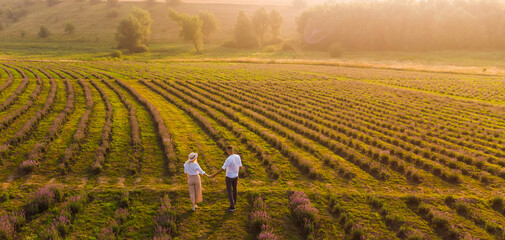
192,168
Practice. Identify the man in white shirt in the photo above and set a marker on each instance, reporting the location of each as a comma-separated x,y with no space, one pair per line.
232,166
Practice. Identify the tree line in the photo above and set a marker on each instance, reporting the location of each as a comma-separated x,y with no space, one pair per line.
405,25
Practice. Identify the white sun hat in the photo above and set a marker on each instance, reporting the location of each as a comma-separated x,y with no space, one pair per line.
192,156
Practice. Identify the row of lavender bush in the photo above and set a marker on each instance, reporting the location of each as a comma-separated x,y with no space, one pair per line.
260,220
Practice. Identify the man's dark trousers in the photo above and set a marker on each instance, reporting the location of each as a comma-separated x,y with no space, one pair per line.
231,188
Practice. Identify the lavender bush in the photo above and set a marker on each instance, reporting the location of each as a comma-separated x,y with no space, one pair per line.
28,166
303,212
165,220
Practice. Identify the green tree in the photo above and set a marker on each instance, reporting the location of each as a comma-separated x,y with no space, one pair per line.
134,32
244,32
261,22
145,21
128,33
69,27
44,32
276,21
191,28
210,24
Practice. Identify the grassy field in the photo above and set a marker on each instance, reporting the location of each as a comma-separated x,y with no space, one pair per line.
379,153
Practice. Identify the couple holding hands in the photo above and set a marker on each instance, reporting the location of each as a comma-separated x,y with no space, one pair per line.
192,170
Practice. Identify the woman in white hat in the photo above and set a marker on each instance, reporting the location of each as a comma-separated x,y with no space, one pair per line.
193,171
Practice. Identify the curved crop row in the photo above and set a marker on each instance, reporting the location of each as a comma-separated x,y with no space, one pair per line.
346,122
466,211
14,96
387,112
81,131
330,138
106,131
162,131
12,116
393,221
303,164
134,126
349,223
39,149
438,221
341,150
217,136
372,126
33,121
9,81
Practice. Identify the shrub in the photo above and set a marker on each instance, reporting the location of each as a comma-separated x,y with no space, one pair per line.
462,209
449,200
375,202
165,220
49,233
116,54
44,32
121,215
303,212
440,222
4,197
76,204
497,203
357,233
493,228
336,50
9,224
140,49
259,218
69,27
393,220
43,199
124,201
266,233
107,233
28,166
413,201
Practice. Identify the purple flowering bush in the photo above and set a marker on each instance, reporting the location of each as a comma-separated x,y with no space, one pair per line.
28,166
6,228
43,199
107,234
260,219
303,212
267,233
165,220
11,223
